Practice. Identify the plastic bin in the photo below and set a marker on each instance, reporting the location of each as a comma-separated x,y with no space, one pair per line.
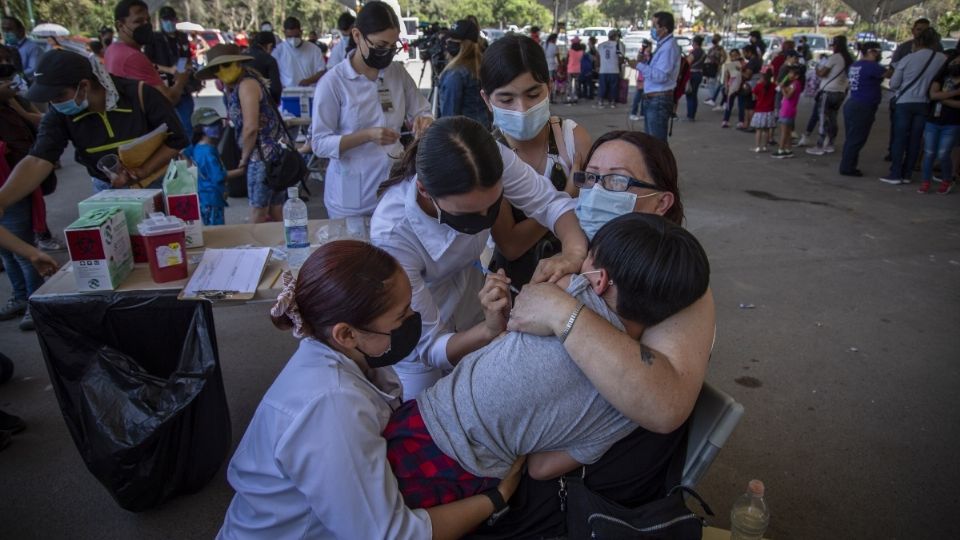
137,377
165,240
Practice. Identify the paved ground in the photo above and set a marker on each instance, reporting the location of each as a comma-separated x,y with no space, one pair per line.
847,364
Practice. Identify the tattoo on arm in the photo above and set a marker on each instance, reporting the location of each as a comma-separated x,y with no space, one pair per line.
646,355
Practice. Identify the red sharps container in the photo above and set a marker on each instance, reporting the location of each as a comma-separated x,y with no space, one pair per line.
166,244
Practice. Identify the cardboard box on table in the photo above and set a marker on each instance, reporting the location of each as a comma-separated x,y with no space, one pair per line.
99,246
137,205
182,200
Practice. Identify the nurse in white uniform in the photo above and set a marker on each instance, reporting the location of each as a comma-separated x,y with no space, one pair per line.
435,216
359,111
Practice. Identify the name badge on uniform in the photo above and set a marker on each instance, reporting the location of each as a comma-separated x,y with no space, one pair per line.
386,103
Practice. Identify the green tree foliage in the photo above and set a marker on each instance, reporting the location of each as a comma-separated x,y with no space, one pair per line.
585,15
633,12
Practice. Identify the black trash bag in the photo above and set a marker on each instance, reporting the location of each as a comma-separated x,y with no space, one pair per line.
138,380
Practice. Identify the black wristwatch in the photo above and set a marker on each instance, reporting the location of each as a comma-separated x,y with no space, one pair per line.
500,506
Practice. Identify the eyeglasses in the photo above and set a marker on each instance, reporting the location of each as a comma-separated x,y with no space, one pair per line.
610,182
383,51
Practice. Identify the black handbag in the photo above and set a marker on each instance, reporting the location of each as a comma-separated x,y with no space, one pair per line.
592,516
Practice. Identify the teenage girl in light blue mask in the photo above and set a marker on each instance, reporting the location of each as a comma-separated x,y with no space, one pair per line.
627,171
515,83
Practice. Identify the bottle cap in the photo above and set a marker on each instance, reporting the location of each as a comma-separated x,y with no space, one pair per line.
755,487
293,192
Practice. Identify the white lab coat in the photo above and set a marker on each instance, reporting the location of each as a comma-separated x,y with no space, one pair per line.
313,462
346,102
439,262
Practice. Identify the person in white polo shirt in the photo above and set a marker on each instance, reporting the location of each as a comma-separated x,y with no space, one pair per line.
301,62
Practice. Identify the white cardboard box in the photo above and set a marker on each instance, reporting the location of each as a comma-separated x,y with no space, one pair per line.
99,245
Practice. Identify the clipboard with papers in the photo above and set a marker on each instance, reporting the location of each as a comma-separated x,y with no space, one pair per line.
227,274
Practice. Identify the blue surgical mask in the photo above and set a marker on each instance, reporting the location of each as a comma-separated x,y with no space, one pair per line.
10,38
213,131
653,34
525,125
168,26
71,107
596,206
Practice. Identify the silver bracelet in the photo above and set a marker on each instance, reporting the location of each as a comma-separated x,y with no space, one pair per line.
570,322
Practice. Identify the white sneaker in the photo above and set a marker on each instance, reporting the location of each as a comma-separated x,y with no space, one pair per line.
815,151
758,149
803,141
829,149
893,181
709,102
764,149
718,108
634,118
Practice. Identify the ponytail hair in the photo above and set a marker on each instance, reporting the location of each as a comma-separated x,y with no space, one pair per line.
458,156
375,17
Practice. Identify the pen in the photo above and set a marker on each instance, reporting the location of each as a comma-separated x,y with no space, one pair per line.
487,272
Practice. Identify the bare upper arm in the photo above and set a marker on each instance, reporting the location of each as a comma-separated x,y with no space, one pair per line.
250,103
549,465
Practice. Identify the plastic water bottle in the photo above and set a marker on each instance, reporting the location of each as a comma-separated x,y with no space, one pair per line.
750,516
295,229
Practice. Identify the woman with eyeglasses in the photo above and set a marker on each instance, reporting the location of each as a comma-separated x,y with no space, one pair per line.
435,215
515,83
654,382
360,109
256,122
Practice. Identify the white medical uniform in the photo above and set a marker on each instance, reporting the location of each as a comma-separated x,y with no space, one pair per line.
439,262
298,63
313,463
338,53
346,102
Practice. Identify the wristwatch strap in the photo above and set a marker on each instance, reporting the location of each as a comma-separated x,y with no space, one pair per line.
497,499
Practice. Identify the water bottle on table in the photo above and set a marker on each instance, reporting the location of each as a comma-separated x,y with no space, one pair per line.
295,230
750,515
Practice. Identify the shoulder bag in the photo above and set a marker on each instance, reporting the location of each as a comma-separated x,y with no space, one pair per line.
289,168
903,90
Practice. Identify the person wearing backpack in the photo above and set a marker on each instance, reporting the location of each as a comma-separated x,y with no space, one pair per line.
911,86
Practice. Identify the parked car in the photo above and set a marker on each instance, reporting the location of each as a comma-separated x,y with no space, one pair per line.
948,43
818,43
595,31
633,41
212,36
493,34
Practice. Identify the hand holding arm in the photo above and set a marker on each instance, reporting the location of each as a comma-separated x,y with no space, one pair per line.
574,252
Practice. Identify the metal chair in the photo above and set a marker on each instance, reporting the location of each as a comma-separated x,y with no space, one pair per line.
714,417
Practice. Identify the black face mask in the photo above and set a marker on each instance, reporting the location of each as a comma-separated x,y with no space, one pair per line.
378,58
106,41
143,34
469,223
453,48
7,70
403,341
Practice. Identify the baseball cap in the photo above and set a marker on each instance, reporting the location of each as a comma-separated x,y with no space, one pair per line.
465,29
56,70
204,116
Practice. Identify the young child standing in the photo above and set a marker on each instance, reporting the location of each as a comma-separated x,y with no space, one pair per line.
732,80
211,175
791,88
763,119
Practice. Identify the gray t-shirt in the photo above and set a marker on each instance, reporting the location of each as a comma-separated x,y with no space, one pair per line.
522,394
917,66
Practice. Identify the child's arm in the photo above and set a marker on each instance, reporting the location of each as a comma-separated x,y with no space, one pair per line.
549,465
40,260
234,173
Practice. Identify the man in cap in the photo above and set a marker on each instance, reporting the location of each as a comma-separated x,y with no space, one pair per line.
264,63
125,59
859,111
169,50
301,62
15,35
97,121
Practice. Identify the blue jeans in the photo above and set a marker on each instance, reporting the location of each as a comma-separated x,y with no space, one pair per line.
637,102
696,78
609,86
938,142
717,90
657,113
585,87
24,278
908,123
857,120
741,107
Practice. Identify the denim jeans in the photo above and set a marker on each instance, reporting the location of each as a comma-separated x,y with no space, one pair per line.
637,102
908,123
696,78
657,113
609,86
938,142
24,278
741,107
585,88
717,90
857,120
829,107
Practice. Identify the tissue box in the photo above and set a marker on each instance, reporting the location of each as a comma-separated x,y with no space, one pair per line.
136,204
99,246
187,208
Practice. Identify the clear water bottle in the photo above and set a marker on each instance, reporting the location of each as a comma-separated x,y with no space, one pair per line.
295,229
750,516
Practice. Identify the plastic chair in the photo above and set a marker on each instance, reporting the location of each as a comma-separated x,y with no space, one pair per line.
714,417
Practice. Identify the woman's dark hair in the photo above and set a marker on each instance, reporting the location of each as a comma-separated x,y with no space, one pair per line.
698,40
659,160
510,57
456,155
928,38
840,46
659,268
345,281
375,17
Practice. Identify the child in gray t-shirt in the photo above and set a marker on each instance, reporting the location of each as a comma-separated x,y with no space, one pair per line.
523,394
